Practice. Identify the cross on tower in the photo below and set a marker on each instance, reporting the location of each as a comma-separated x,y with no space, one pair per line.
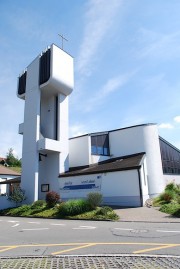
63,38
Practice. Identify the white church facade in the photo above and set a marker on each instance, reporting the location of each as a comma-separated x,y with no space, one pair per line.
127,166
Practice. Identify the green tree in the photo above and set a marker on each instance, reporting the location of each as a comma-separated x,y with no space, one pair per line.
17,196
11,159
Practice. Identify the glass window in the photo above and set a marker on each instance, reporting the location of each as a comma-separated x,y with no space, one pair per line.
100,144
170,158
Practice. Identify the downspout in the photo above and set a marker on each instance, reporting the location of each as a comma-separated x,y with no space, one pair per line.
140,188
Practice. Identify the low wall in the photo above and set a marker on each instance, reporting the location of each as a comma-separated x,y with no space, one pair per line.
5,203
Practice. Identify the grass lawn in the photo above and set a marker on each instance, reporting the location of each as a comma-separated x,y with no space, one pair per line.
99,213
169,200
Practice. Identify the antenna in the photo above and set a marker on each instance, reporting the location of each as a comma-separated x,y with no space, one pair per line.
63,38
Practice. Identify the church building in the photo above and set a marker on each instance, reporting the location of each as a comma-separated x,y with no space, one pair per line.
127,166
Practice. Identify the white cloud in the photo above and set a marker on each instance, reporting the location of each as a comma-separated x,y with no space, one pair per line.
77,130
161,46
177,119
165,126
112,85
99,18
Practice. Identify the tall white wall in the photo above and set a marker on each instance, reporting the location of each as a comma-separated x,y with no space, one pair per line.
79,151
136,139
154,163
63,131
31,128
45,128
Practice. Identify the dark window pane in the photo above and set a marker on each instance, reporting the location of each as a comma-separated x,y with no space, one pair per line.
100,144
170,158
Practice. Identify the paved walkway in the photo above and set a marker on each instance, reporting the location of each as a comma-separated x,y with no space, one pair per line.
144,214
92,262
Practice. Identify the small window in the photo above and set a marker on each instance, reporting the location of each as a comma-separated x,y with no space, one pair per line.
100,144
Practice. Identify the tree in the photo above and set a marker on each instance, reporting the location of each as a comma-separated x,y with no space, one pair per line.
11,160
17,196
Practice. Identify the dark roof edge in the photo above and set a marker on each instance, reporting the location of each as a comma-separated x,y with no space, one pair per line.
114,130
100,172
73,169
164,140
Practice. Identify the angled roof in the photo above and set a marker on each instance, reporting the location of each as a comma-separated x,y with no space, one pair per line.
8,171
115,164
10,181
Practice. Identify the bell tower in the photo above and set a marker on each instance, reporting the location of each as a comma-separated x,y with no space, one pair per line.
45,86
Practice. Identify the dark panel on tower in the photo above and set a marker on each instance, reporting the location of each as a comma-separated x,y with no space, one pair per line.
22,84
44,67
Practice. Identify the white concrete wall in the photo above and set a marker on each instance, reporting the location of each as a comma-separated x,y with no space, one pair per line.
48,173
141,139
144,181
117,188
98,158
79,151
171,178
31,130
45,118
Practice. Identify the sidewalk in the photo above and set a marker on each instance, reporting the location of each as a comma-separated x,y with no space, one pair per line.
144,214
92,262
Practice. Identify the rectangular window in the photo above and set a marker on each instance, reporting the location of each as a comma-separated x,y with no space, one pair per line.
170,158
100,144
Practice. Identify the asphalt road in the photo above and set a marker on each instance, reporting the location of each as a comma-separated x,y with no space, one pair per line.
37,237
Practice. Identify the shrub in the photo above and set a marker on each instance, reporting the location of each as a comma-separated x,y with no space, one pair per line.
172,187
94,199
168,196
17,196
38,204
73,207
19,211
103,210
176,213
170,208
52,198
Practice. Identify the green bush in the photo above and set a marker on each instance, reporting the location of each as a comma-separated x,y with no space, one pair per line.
38,204
73,207
19,211
171,208
52,198
176,213
103,210
17,196
94,199
167,196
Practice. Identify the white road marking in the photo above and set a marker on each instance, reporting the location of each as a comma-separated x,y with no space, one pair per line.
60,224
34,222
163,231
84,228
13,221
15,225
123,229
36,229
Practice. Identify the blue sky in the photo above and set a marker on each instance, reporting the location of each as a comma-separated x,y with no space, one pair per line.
126,62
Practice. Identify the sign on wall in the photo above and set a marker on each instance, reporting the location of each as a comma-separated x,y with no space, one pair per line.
84,184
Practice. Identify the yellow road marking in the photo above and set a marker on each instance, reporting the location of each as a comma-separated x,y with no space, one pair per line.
7,248
67,250
151,249
157,246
